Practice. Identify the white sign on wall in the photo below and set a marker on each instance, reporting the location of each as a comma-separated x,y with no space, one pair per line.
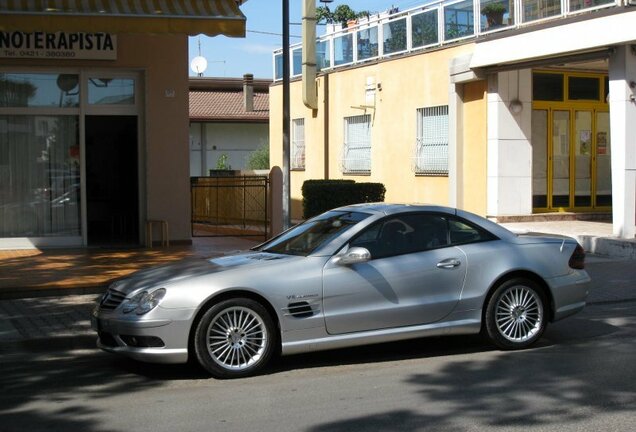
59,45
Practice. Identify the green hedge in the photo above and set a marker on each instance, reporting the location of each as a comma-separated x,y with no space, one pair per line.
322,195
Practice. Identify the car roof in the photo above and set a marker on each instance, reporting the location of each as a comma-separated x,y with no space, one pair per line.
382,208
392,208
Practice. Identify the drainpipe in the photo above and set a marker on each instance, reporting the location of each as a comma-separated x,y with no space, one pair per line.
310,97
248,92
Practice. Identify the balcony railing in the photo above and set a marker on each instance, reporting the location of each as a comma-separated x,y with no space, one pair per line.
428,26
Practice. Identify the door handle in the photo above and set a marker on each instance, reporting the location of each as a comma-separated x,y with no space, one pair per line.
448,263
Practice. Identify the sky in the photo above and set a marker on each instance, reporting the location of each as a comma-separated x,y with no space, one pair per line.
233,57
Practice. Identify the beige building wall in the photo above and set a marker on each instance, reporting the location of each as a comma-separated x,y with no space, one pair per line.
402,85
161,61
475,139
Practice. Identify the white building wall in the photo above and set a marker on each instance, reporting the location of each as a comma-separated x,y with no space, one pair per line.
509,144
236,140
622,94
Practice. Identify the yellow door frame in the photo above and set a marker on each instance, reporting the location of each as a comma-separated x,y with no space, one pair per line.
572,106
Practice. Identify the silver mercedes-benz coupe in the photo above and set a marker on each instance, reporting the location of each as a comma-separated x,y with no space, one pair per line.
355,275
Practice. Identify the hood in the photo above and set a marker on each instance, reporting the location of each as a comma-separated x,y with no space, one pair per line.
166,275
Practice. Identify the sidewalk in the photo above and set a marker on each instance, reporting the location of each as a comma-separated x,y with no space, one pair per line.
34,272
595,237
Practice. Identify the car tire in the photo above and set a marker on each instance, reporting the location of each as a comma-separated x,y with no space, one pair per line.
235,338
516,314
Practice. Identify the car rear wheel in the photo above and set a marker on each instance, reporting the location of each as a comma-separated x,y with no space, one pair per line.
235,338
515,314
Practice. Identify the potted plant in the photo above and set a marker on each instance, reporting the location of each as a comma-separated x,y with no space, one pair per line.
494,13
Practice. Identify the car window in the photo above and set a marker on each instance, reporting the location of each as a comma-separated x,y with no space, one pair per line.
403,234
462,233
305,238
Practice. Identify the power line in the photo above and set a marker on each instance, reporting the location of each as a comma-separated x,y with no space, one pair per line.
271,33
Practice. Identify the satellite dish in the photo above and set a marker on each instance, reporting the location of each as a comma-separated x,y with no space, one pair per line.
198,65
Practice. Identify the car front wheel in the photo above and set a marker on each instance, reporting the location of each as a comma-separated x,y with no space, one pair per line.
515,314
235,338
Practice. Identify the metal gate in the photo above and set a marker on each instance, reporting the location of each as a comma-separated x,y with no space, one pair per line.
229,206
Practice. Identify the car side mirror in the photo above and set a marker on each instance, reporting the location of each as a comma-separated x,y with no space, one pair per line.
355,255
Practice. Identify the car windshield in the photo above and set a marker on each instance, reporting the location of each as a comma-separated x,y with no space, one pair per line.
305,238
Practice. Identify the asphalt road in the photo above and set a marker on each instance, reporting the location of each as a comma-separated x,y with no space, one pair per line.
580,377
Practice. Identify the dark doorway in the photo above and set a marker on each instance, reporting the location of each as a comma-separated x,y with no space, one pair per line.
112,202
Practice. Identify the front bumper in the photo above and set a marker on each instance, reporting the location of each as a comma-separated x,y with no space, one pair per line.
153,340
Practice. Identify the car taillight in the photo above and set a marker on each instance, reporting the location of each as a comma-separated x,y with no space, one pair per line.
577,260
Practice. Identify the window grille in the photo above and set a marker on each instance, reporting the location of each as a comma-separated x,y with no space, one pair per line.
356,157
431,148
298,144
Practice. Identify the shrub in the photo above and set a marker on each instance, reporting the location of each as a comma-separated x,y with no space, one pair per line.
259,158
322,195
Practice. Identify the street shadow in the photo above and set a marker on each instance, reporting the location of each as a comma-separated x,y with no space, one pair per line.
387,352
44,391
575,374
560,379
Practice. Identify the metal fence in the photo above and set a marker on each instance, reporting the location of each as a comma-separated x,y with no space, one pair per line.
229,206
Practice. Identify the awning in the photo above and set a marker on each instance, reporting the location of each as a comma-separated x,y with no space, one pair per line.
191,17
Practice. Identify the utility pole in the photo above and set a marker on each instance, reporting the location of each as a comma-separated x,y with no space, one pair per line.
286,121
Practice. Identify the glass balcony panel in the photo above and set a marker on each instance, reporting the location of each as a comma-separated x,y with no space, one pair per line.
576,5
538,9
424,29
394,36
367,43
278,66
458,20
323,56
496,14
343,49
297,62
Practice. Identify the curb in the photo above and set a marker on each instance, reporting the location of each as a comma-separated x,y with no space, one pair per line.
608,246
50,291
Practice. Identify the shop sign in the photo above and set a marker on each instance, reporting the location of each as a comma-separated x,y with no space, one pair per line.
59,45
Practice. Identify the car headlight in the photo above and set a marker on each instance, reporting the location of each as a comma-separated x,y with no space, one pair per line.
144,302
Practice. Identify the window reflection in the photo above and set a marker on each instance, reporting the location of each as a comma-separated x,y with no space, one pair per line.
537,9
278,66
343,49
367,43
424,29
19,90
458,20
394,36
39,176
297,62
323,56
111,91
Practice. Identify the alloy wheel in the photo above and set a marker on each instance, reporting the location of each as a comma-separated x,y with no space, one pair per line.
237,338
519,314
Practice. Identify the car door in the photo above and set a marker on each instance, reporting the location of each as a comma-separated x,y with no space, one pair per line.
413,277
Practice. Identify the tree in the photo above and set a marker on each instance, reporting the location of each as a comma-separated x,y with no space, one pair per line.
341,14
